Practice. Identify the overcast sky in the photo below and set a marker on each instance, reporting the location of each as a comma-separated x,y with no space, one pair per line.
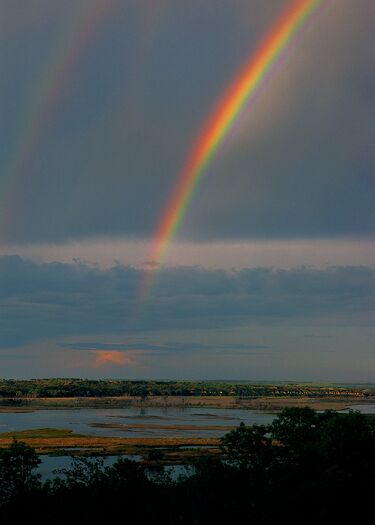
272,273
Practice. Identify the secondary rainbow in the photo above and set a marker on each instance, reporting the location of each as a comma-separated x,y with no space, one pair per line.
240,93
48,93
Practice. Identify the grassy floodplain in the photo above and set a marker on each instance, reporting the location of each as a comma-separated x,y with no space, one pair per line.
54,441
41,394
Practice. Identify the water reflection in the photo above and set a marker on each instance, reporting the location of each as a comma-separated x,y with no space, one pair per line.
136,422
51,465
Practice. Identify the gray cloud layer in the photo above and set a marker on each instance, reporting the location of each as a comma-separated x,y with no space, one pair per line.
301,163
52,300
170,348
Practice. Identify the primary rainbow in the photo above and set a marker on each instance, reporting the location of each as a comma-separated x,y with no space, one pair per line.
240,93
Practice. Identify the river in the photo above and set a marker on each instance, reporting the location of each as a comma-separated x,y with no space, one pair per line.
136,422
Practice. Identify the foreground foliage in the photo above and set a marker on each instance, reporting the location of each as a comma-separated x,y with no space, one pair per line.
305,466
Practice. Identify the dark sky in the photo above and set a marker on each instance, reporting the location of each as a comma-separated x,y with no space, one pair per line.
271,275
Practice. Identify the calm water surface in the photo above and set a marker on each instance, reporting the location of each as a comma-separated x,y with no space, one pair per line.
83,421
50,466
365,408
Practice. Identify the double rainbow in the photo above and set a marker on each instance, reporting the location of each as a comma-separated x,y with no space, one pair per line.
239,95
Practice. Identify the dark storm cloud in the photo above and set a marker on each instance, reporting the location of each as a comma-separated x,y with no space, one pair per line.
52,300
302,166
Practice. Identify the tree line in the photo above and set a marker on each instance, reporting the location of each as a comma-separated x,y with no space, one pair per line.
75,387
304,467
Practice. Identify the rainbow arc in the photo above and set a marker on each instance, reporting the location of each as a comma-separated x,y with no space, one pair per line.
238,96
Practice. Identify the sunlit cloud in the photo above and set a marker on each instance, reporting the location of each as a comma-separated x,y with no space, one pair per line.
115,357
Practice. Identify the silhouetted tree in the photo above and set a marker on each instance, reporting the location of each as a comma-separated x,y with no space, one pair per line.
17,471
248,446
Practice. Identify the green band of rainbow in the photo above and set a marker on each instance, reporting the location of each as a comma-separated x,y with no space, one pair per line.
240,93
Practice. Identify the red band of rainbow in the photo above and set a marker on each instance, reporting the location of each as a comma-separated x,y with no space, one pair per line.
240,93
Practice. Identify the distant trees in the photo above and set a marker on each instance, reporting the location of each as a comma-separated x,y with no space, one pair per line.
75,387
